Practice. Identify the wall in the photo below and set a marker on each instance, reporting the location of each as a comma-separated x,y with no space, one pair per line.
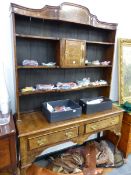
109,11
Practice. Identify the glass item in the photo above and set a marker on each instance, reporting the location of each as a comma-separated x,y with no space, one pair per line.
4,114
96,62
4,97
30,63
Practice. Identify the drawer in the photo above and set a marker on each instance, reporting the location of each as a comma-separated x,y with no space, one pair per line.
129,147
129,137
43,140
98,125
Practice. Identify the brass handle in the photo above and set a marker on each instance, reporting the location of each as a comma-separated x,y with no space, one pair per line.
113,122
66,52
41,141
69,134
93,127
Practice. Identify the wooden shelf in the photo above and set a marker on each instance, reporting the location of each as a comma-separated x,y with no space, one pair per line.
36,37
99,42
60,90
57,39
37,67
91,65
88,66
57,67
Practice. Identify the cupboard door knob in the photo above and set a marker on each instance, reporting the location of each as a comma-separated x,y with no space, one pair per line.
41,141
69,134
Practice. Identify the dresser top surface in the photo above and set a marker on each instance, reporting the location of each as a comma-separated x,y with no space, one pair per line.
32,123
8,128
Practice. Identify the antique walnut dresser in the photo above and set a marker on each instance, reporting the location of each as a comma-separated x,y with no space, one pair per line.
68,35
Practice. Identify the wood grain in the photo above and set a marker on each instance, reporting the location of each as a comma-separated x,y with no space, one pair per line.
8,146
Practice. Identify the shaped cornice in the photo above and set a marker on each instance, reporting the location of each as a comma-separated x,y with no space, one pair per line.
65,12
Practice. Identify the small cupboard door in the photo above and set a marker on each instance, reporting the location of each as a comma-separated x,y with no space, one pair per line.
73,53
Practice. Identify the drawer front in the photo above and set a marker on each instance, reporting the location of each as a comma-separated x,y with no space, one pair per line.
43,140
129,147
91,127
4,153
130,137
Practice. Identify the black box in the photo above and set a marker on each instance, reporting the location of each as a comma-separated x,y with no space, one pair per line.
93,108
75,111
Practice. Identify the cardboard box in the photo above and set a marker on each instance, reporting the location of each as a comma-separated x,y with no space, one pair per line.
75,111
93,108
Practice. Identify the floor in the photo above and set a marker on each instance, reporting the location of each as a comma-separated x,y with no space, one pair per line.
123,170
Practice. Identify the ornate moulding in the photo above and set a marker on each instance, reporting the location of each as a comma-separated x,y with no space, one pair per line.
65,12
